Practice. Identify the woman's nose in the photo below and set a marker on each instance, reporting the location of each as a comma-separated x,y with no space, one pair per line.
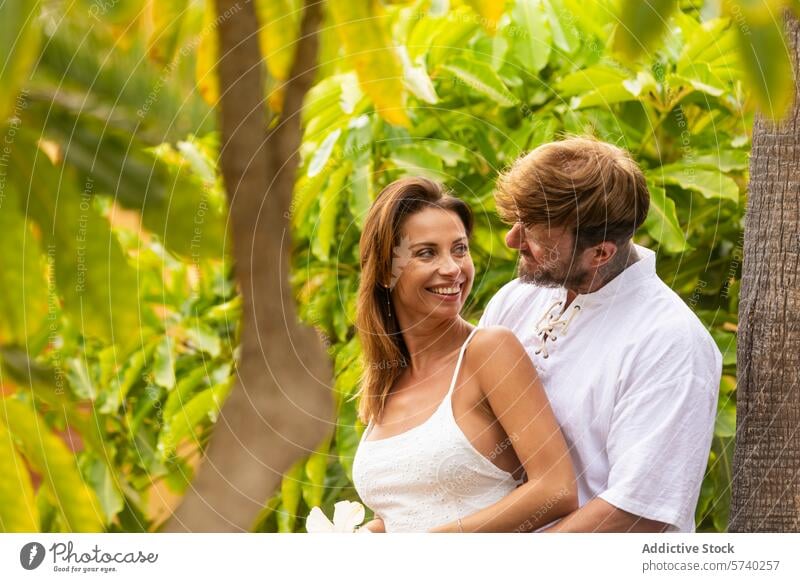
449,266
514,236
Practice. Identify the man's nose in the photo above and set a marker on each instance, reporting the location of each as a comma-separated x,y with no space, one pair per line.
514,236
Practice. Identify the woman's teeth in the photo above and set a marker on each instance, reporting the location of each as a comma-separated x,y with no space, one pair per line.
446,290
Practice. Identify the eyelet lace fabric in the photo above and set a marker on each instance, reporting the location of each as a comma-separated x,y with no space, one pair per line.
429,475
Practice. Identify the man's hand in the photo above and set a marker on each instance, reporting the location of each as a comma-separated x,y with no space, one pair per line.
600,516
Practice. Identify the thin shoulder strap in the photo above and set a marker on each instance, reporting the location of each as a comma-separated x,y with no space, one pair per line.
458,363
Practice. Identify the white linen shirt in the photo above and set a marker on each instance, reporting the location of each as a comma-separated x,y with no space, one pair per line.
632,379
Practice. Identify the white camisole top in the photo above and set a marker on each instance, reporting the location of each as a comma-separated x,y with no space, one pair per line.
429,475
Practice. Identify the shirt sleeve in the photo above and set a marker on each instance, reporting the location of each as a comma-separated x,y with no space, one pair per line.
658,447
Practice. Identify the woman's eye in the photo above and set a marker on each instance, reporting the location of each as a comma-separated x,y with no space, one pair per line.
461,249
425,253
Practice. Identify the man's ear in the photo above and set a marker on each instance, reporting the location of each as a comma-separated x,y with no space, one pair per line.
603,253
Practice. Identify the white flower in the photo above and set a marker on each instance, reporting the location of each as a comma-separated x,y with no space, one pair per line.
346,516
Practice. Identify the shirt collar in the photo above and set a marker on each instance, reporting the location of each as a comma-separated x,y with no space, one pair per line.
629,279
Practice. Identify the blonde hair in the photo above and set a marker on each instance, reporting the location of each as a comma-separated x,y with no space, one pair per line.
595,187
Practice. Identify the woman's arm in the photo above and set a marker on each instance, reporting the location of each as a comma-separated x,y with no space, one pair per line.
374,525
512,387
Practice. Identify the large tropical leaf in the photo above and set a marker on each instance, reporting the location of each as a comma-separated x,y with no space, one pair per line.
18,511
50,457
362,31
19,41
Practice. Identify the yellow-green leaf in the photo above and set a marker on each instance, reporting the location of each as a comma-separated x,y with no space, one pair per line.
490,12
23,303
18,511
50,457
19,41
315,469
363,32
641,24
207,51
280,24
662,221
291,492
167,17
765,54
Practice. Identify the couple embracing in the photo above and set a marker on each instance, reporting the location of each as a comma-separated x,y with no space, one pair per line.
585,398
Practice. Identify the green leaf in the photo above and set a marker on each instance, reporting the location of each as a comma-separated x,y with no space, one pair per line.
92,273
362,191
416,161
368,48
722,160
80,378
164,363
24,301
323,154
565,34
19,41
641,24
291,493
329,204
662,221
765,55
202,408
416,79
482,79
18,510
167,18
725,424
604,85
203,338
710,183
105,487
347,437
184,389
280,25
315,469
490,12
530,35
49,456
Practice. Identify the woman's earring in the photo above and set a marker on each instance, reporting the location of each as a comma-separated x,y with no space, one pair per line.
388,302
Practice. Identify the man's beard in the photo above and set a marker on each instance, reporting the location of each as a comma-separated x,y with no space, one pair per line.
553,275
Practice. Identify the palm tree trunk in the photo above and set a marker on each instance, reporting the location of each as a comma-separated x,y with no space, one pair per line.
281,406
766,463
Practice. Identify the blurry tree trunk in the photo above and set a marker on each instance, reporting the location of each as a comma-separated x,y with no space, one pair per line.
766,464
281,406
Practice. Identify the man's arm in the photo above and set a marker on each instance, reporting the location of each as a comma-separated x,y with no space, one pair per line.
600,516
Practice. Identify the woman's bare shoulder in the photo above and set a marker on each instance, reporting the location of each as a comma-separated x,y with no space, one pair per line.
495,346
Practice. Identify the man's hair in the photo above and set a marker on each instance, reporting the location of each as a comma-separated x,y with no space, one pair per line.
591,186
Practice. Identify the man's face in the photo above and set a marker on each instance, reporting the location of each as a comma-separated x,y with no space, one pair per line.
548,257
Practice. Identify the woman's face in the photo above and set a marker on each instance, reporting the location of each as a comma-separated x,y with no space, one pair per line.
432,271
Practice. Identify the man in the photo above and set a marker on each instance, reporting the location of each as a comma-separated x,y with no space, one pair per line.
631,373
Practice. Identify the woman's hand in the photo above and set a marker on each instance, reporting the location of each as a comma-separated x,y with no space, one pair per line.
374,526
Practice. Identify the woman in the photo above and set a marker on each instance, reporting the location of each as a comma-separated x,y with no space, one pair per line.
456,416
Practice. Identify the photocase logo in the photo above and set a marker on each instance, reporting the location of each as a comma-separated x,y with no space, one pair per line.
31,555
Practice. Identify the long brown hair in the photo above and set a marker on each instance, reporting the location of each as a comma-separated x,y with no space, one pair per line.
384,351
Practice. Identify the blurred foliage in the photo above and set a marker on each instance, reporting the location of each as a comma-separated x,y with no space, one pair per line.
118,321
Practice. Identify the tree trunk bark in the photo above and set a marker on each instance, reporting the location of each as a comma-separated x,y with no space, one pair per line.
281,406
766,463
